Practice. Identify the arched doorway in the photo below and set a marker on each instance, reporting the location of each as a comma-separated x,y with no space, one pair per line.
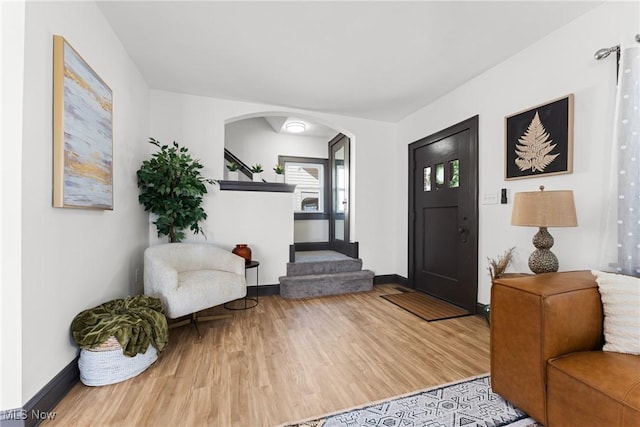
315,157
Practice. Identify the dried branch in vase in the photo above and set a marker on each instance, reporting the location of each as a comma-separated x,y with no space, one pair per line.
498,266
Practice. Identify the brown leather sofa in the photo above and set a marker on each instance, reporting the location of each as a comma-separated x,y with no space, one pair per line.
546,353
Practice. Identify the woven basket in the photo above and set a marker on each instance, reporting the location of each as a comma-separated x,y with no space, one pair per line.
106,364
110,344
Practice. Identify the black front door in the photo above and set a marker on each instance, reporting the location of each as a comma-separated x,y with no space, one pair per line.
443,214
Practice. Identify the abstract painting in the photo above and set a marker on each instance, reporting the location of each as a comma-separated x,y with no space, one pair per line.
539,141
82,133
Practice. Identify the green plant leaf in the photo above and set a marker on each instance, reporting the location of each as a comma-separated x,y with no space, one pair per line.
172,188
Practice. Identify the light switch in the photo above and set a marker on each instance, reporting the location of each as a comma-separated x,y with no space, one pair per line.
490,199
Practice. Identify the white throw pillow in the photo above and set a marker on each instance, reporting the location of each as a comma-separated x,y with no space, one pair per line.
621,304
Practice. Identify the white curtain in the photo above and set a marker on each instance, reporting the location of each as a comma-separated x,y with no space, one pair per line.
621,248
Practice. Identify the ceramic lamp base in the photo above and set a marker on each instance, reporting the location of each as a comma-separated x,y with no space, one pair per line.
542,260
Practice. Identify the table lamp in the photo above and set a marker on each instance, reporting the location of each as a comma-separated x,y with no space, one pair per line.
544,209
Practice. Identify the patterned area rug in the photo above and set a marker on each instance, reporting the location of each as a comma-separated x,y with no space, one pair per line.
469,403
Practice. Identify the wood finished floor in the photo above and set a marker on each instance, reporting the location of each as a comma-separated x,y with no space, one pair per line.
287,360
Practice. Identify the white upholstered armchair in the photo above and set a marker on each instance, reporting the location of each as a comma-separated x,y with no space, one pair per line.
190,277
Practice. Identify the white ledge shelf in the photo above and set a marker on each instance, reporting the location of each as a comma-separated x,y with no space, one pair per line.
272,187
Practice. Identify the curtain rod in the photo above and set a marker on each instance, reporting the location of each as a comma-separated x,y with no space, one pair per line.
606,51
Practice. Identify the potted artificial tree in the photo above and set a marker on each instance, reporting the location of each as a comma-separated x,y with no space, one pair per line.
171,187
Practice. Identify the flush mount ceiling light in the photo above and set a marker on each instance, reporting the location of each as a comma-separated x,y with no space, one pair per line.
295,127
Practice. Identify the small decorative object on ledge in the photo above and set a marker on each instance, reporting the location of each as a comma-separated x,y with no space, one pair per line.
232,175
257,170
279,170
243,251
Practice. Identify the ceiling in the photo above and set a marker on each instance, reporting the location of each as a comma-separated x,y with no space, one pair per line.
278,124
379,60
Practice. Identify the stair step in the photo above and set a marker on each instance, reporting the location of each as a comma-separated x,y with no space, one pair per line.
323,267
315,285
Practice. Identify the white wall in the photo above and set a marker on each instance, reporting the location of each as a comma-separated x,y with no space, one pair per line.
254,141
264,221
74,259
557,65
12,19
198,123
311,230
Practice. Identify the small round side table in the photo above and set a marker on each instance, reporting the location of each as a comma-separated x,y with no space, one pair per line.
249,302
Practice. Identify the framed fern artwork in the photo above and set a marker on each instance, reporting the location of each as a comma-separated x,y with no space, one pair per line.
539,141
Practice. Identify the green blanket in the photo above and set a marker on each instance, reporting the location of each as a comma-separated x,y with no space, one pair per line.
135,322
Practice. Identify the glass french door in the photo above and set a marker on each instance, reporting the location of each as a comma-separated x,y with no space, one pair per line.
339,184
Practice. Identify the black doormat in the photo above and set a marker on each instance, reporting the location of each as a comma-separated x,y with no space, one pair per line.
425,307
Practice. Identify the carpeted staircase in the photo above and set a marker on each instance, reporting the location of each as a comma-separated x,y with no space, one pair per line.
319,273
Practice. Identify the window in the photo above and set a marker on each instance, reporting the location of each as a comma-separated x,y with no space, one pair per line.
340,188
309,175
427,178
439,176
454,166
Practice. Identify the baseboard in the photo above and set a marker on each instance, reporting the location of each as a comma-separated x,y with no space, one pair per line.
385,279
308,246
350,249
263,290
40,407
13,417
42,404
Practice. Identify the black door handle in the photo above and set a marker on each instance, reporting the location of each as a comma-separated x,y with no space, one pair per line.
463,234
